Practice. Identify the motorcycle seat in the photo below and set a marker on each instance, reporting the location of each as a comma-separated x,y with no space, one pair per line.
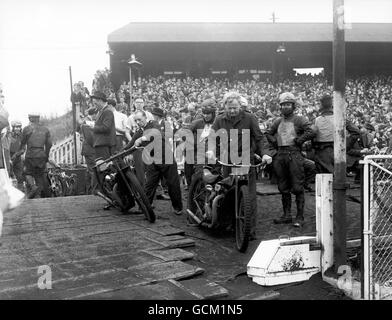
209,177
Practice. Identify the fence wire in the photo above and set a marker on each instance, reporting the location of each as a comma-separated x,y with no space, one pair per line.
380,222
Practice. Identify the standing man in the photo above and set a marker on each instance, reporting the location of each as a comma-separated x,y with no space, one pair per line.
104,128
120,121
323,129
37,142
86,129
16,158
132,129
234,118
287,134
155,172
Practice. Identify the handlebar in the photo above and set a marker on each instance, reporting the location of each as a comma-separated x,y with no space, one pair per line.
122,154
241,165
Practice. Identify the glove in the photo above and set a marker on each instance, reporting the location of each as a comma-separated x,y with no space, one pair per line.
210,155
267,159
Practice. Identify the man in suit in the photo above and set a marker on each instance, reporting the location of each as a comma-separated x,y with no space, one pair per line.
104,128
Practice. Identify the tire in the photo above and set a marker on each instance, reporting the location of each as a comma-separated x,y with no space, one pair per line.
243,220
195,188
59,186
140,196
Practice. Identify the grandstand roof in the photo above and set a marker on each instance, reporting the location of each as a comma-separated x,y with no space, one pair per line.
246,32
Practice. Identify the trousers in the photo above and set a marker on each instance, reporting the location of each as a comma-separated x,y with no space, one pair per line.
154,173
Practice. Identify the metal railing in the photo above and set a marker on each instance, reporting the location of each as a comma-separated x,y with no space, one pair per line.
377,231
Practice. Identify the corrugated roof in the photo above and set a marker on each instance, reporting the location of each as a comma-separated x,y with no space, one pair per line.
246,32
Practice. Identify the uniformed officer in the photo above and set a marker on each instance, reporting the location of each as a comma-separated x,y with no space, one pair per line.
37,141
287,134
16,158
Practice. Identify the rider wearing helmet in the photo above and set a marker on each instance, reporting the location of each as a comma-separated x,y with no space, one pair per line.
287,134
200,129
16,159
37,142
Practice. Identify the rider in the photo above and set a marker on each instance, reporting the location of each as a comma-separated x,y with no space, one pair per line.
208,109
37,141
287,134
16,159
234,117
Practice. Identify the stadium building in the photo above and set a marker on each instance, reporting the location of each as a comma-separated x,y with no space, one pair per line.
246,49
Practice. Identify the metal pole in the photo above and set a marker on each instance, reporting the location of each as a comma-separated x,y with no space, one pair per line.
339,110
73,119
130,88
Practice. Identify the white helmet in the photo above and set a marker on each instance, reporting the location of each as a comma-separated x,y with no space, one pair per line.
287,97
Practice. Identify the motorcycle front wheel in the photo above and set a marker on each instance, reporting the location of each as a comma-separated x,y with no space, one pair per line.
197,195
140,196
243,219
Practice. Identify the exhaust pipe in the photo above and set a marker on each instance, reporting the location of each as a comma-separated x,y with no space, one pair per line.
194,217
214,211
100,194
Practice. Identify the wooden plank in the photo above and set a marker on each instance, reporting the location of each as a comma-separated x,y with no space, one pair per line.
171,254
269,295
61,224
164,290
72,252
104,281
203,288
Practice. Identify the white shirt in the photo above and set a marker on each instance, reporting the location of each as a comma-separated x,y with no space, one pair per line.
120,122
131,124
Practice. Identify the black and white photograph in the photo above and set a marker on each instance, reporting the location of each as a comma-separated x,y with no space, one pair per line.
193,156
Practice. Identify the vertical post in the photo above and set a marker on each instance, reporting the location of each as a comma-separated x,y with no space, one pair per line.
130,87
324,219
362,228
339,110
73,119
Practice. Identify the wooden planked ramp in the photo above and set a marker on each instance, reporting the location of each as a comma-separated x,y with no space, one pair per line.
94,254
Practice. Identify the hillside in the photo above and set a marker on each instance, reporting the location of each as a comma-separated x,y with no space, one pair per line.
59,127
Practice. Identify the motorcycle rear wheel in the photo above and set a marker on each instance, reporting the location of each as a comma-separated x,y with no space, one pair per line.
140,197
243,219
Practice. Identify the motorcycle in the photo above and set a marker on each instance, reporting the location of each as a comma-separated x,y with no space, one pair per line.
119,185
216,202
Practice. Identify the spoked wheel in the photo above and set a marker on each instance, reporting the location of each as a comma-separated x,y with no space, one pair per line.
196,198
243,219
140,196
57,187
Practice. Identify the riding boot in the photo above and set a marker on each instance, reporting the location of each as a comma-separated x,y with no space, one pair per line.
300,201
31,188
286,202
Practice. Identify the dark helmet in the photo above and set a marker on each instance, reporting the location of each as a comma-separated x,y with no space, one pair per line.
208,106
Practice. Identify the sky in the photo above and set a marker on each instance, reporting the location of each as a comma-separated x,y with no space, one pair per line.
40,39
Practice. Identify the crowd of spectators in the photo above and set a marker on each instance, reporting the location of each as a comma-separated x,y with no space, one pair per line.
368,98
